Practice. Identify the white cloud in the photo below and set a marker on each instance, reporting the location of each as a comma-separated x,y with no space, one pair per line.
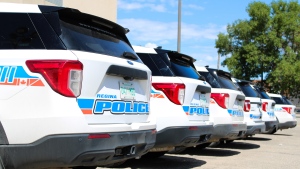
151,45
197,7
148,30
140,4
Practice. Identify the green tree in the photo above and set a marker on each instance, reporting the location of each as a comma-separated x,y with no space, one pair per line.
267,43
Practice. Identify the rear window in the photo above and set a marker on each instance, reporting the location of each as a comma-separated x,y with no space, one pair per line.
18,32
227,83
248,90
278,100
218,81
162,65
83,32
211,79
156,64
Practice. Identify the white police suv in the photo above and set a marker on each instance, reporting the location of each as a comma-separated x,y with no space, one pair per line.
267,108
73,91
179,100
226,106
252,108
284,111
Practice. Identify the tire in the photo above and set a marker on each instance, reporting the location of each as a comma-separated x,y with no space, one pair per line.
273,131
154,154
203,146
177,150
228,141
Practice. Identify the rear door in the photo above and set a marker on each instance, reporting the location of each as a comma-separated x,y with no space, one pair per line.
116,84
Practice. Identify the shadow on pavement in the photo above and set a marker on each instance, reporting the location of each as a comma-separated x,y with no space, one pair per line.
166,161
239,145
209,152
257,139
276,134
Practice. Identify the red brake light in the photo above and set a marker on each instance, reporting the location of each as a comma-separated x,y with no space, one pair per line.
288,109
174,91
264,106
247,106
97,136
221,98
63,76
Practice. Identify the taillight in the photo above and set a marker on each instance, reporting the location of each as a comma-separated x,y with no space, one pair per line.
264,106
247,106
288,109
221,98
174,91
63,76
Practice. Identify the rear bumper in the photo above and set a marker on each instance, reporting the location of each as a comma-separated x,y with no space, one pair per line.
77,150
255,128
228,132
271,125
181,136
288,124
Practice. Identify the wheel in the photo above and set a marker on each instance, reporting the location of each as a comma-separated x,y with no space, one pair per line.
203,146
177,150
228,141
273,131
154,154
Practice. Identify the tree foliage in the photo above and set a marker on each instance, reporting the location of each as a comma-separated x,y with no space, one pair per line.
267,43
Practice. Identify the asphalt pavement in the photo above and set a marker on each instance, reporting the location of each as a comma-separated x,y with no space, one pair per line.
262,151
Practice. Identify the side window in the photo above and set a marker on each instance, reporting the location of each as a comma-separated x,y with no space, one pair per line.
18,32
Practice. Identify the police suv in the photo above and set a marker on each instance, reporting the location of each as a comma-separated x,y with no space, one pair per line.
284,111
252,108
226,106
179,100
73,91
267,108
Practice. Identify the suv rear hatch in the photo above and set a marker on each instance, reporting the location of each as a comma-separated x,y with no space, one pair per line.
253,98
197,97
115,86
221,84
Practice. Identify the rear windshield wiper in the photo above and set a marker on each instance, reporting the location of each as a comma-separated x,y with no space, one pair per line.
129,55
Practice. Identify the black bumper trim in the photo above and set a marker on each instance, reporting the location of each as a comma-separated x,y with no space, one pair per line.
182,136
75,150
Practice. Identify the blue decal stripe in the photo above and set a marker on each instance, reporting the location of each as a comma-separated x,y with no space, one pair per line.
85,103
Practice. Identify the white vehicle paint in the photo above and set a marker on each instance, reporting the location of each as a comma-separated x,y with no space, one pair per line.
69,91
267,109
226,105
252,109
180,105
284,111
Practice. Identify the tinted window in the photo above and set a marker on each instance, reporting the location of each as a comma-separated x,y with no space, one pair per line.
180,67
146,58
83,32
227,83
278,100
211,79
287,101
248,90
18,32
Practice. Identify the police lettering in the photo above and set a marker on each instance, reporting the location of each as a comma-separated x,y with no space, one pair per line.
121,107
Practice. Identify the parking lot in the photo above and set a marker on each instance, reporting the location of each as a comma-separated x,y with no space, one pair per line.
281,150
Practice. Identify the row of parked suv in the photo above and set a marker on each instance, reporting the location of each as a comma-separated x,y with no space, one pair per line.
76,93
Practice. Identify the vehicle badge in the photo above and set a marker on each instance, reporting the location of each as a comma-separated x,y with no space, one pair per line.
131,63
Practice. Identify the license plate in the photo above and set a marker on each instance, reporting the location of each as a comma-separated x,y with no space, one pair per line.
203,101
127,91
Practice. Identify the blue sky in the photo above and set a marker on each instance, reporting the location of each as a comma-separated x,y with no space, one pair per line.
154,23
